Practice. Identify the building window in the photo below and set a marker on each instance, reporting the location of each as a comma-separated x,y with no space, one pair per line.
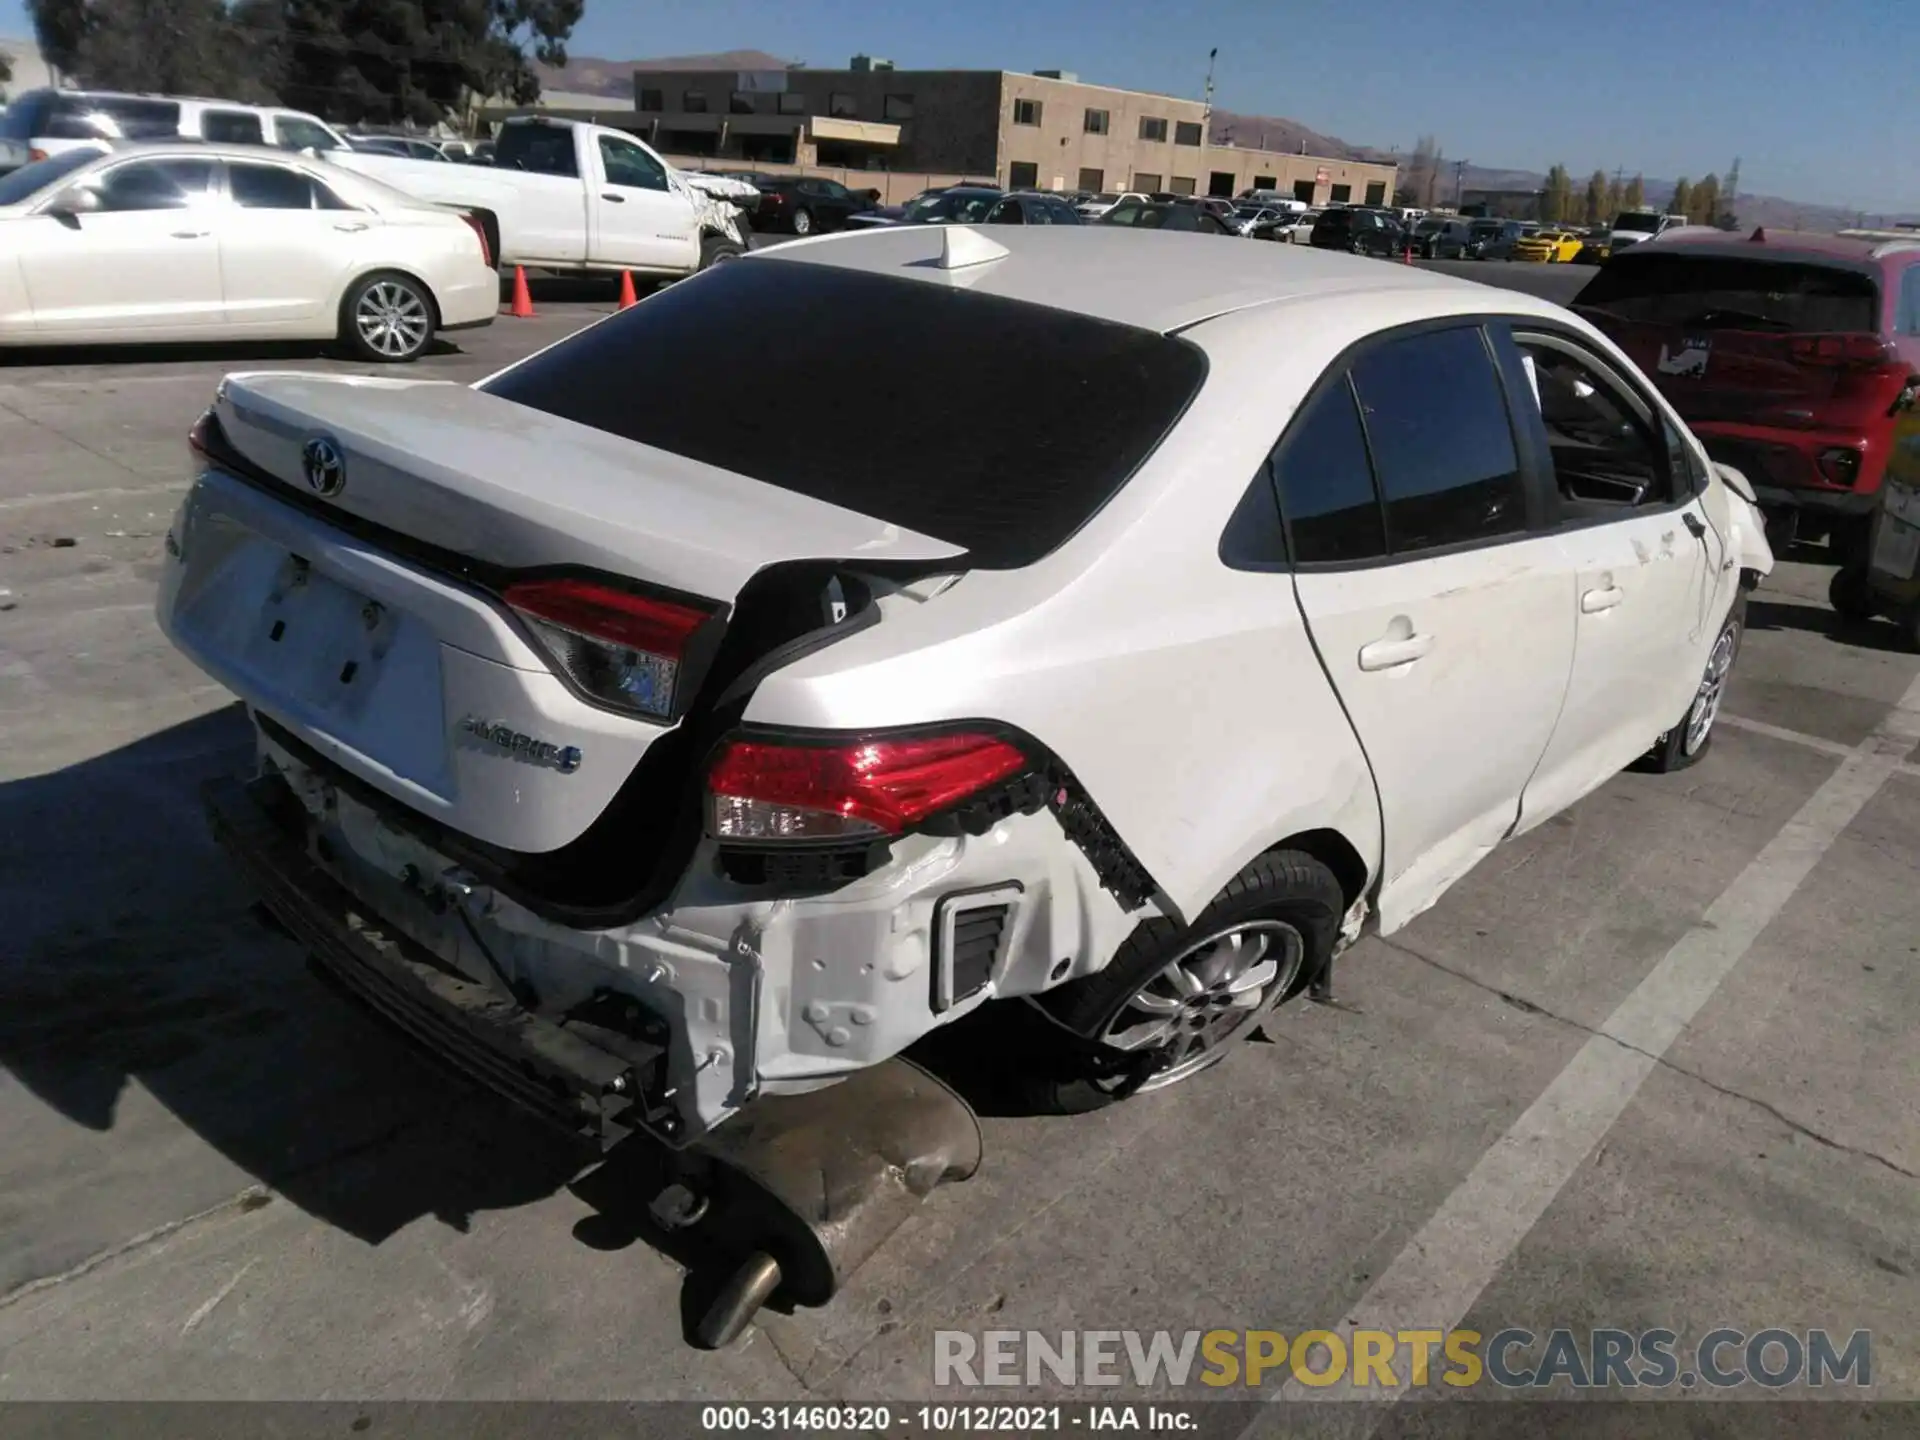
1146,184
1152,127
694,102
1376,192
1182,185
1026,112
1187,132
1095,122
653,100
1264,182
1340,194
740,103
1023,175
792,104
842,106
1096,181
897,107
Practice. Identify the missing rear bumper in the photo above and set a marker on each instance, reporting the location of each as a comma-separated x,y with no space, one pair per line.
477,1030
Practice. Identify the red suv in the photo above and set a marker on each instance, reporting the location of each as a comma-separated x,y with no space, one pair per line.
1790,355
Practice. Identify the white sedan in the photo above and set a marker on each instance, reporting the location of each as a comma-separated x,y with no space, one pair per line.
1302,583
186,241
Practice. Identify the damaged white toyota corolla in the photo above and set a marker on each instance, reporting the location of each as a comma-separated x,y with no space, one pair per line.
715,703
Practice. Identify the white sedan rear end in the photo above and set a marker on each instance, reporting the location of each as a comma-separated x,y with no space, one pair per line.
187,242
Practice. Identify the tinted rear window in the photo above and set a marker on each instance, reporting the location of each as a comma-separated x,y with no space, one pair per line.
22,116
1733,293
993,424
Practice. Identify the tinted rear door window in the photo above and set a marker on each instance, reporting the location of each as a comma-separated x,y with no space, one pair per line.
1436,421
269,187
1326,482
902,363
1726,292
231,127
536,149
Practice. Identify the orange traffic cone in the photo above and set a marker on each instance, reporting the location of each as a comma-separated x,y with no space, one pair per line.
626,289
522,301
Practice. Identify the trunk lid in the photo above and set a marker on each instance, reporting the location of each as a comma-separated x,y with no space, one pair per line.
366,624
1746,339
519,489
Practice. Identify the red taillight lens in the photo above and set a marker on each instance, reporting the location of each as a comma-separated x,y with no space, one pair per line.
480,234
624,649
763,791
1857,350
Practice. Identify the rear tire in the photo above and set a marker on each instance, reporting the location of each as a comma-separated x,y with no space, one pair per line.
1850,594
1692,734
1175,999
717,250
803,222
388,318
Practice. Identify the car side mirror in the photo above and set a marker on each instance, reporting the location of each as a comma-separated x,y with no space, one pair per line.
67,208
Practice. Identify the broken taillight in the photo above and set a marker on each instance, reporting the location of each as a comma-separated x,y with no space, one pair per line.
625,650
771,790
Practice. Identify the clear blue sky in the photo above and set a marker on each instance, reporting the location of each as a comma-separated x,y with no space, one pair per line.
1813,95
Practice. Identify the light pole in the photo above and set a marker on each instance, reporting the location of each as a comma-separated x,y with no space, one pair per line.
1459,179
1200,183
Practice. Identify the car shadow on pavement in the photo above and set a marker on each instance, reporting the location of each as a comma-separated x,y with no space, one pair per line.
225,352
133,957
1824,620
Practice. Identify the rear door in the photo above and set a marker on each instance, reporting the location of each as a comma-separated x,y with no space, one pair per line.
639,219
146,265
286,242
1444,621
1645,563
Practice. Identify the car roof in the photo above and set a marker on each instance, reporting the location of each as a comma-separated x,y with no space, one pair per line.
1785,244
1155,279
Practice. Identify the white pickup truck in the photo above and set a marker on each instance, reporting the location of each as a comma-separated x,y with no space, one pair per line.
566,195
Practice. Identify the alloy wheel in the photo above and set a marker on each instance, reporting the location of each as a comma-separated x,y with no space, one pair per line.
1706,701
1211,995
392,319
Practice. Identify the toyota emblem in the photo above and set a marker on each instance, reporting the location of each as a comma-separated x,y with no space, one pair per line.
323,465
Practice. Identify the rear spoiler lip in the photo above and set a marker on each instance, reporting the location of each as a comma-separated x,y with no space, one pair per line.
484,577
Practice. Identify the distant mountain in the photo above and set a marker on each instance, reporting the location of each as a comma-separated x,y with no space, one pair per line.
591,75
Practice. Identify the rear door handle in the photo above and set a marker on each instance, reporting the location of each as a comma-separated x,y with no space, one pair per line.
616,199
353,229
1594,601
1386,654
189,235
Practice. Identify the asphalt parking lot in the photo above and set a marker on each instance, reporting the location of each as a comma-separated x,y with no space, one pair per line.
1651,1065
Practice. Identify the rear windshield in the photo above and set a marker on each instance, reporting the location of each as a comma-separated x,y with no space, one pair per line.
996,425
1632,220
29,180
1733,293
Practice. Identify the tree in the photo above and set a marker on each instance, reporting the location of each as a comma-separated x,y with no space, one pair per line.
1705,209
1682,202
416,60
1418,172
1556,201
1730,187
58,28
6,67
1434,169
1613,197
179,47
1597,210
1636,196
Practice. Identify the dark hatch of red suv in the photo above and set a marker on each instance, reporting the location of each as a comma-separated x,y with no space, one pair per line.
1790,355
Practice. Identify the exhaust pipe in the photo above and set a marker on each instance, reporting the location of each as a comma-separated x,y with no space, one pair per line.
824,1179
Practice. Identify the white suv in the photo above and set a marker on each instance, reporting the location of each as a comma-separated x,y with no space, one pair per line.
644,758
45,122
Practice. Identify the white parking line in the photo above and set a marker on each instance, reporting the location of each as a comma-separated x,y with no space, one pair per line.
1436,1279
1800,737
